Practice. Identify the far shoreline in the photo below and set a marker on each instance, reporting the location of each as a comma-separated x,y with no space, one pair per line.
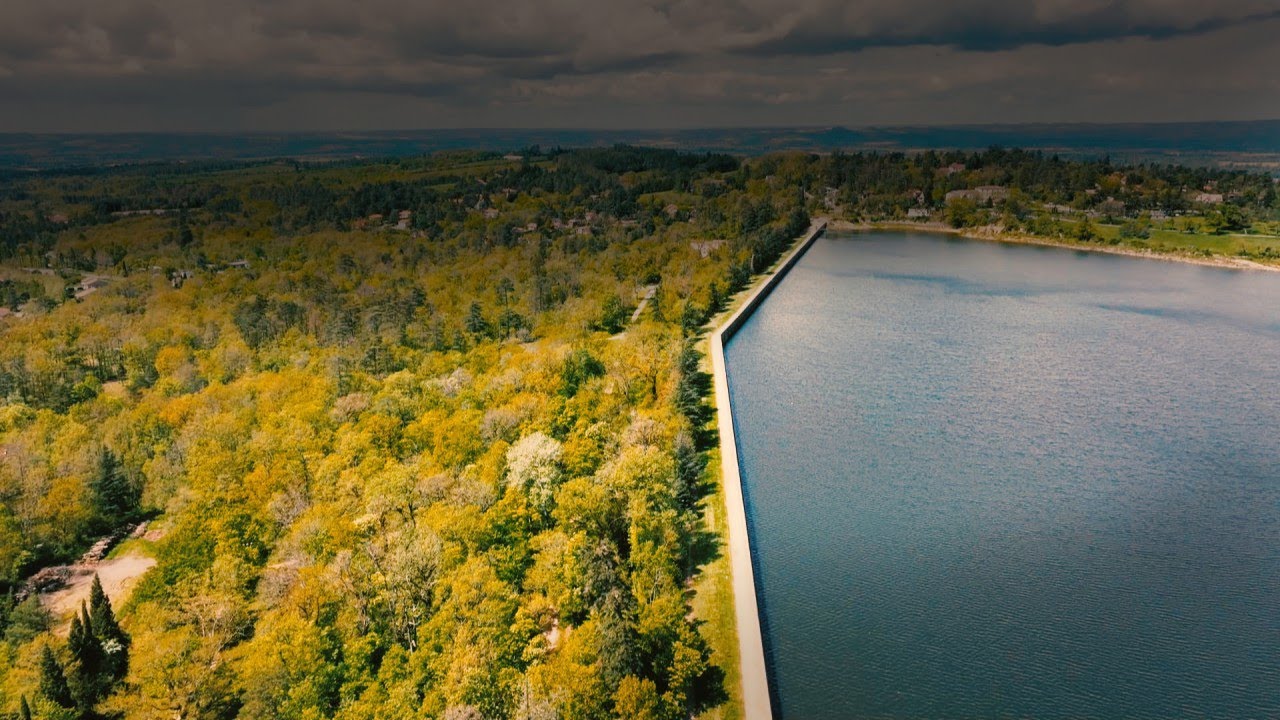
995,234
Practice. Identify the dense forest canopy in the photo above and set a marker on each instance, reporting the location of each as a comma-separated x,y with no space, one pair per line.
429,437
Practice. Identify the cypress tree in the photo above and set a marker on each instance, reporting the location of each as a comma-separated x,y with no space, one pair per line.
476,323
89,679
112,639
53,682
24,710
75,636
112,492
689,465
81,640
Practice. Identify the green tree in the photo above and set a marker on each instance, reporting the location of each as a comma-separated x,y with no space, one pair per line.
185,236
694,385
87,681
1225,219
113,494
1139,228
511,321
613,315
1084,231
504,291
476,324
696,685
962,213
113,640
692,318
28,619
53,681
579,367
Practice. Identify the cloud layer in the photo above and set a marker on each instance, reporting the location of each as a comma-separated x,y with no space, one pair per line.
324,64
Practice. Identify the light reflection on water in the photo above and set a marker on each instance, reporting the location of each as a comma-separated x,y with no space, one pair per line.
991,481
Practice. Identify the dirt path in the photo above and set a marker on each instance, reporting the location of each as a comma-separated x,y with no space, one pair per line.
118,576
646,294
645,297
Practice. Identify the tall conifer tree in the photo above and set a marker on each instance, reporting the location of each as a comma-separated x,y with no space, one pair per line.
53,681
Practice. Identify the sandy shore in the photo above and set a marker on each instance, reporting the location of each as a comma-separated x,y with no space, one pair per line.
993,234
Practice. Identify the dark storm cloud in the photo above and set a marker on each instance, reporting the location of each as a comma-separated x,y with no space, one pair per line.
385,63
989,25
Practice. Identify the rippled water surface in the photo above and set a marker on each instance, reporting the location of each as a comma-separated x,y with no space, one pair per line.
993,481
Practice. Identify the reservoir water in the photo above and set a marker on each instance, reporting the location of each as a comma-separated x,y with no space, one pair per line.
1001,481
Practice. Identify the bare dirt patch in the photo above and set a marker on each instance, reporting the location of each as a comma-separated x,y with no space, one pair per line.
63,588
118,576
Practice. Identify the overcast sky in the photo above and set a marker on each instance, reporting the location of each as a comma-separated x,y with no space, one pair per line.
115,65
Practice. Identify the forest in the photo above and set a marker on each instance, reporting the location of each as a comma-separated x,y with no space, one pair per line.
428,437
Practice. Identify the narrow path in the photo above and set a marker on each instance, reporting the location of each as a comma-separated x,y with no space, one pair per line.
647,295
649,290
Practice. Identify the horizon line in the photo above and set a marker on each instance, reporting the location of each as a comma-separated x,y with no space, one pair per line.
668,129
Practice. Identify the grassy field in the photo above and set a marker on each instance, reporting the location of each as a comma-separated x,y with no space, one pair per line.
713,601
1177,241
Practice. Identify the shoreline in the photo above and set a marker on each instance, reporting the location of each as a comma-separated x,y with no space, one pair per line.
990,234
757,702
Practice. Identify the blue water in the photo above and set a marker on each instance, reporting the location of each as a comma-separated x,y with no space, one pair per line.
998,481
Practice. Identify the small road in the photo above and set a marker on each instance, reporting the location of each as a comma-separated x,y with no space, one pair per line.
649,290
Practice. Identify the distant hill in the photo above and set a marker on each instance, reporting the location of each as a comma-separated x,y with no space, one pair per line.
1254,145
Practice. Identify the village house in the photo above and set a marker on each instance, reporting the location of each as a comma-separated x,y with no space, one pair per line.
1208,198
89,286
918,214
706,247
1111,208
239,264
980,194
952,169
